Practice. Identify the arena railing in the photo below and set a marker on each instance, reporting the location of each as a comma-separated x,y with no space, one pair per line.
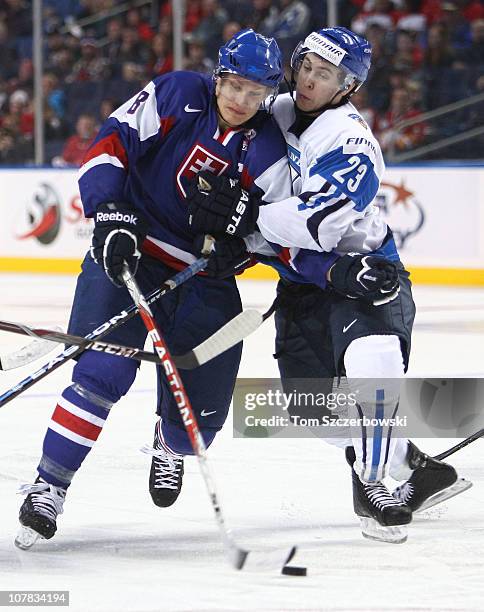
394,157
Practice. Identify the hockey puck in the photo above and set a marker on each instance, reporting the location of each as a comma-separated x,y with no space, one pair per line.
293,570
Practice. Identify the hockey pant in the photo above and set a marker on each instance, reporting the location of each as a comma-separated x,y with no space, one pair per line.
321,335
186,316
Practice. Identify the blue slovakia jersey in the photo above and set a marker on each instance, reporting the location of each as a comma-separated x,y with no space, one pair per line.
161,138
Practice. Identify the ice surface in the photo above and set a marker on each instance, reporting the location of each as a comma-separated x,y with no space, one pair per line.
115,551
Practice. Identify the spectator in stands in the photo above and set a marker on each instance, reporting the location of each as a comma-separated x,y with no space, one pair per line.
411,19
291,25
137,23
394,140
230,29
472,9
133,77
457,26
114,30
193,15
61,63
210,28
51,21
20,118
24,79
89,8
8,63
377,83
196,60
360,101
239,11
18,18
77,145
473,55
292,22
160,56
264,16
132,49
165,27
439,53
379,12
437,63
91,66
54,107
7,144
107,106
408,55
12,149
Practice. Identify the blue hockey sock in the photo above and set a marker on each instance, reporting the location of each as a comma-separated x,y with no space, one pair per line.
75,425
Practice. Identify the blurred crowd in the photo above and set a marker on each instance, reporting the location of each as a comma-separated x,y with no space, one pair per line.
426,54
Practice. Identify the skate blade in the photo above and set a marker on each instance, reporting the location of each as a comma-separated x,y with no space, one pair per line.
26,538
371,529
458,487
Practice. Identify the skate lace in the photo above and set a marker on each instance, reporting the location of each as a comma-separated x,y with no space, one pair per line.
167,467
379,496
46,499
404,492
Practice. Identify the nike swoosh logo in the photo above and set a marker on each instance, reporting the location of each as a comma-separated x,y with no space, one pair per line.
203,413
346,327
187,109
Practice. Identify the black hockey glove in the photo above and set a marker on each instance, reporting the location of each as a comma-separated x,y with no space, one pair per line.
228,257
118,233
218,205
366,277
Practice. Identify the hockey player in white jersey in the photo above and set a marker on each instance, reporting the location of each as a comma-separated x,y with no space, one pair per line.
347,306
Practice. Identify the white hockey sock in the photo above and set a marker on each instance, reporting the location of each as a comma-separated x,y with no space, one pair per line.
374,368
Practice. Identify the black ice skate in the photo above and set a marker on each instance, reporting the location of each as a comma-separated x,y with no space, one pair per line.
38,513
382,517
166,474
432,481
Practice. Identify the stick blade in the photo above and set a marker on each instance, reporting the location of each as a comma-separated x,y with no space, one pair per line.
222,340
268,561
27,354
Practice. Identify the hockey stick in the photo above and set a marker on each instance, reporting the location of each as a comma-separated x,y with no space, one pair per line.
94,345
224,338
237,556
457,447
27,354
105,328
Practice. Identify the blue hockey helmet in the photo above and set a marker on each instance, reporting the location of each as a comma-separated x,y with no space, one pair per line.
340,47
252,56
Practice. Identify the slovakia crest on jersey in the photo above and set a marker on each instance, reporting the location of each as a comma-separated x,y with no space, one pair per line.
198,159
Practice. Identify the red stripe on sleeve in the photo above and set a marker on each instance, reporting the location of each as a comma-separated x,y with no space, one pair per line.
166,123
111,145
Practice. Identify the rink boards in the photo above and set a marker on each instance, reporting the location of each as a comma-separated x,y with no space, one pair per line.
436,213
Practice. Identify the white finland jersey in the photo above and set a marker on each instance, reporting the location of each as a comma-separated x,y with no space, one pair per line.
336,167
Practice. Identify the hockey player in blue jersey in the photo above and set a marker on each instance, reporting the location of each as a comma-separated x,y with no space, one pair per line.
132,183
345,298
